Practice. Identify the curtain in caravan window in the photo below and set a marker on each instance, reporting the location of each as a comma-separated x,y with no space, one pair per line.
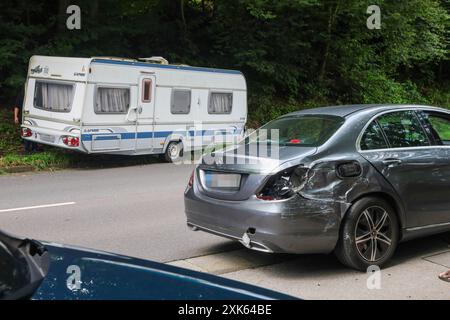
112,100
220,103
53,96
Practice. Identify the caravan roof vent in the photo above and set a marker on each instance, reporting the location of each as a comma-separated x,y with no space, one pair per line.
115,59
158,60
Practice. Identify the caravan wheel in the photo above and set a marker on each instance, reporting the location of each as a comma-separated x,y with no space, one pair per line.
174,152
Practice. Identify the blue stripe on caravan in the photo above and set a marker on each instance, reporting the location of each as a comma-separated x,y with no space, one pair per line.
127,135
86,137
162,134
102,138
150,135
145,135
108,136
164,66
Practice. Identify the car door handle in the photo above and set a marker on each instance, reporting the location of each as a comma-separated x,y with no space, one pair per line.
392,162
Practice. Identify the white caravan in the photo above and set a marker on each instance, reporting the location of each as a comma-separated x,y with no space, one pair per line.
131,107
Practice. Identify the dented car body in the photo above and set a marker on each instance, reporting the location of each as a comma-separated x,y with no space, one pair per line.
297,201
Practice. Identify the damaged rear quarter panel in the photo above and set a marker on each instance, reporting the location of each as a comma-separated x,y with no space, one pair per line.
325,192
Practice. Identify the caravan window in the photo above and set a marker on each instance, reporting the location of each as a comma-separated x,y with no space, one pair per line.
181,101
52,96
220,103
146,90
112,100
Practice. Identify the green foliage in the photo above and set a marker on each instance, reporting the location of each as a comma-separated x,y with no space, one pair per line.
9,133
295,53
376,87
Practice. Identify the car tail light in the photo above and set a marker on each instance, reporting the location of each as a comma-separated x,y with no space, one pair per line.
191,179
71,141
26,133
190,183
284,184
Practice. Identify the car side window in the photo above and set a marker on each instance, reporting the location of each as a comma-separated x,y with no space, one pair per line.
440,124
403,130
373,138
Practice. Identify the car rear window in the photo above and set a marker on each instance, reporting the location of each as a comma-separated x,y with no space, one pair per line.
303,130
373,138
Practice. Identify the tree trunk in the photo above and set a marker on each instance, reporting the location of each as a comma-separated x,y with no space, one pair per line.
183,18
331,20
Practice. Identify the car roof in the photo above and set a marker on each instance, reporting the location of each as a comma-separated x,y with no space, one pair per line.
346,110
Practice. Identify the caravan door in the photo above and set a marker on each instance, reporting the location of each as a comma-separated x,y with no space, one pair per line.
145,113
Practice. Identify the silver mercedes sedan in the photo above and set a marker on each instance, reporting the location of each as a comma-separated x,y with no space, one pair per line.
354,180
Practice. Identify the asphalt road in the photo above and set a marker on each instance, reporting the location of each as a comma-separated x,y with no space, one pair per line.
136,211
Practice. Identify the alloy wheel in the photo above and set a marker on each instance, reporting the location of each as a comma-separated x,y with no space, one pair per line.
373,234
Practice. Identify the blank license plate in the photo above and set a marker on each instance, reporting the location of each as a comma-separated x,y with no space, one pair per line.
222,180
47,137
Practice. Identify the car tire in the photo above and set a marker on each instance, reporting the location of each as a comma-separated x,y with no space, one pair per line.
365,238
174,152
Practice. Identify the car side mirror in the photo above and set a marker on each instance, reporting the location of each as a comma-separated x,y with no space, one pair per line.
25,264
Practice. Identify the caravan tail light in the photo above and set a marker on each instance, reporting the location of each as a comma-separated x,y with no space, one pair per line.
71,141
26,133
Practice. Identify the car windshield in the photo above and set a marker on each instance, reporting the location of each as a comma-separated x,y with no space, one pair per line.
304,130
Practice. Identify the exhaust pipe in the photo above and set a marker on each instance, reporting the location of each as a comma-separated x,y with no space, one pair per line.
249,244
192,228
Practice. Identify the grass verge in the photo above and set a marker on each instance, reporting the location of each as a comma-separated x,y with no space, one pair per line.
39,161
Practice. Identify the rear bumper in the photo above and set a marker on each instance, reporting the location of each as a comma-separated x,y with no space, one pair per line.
51,137
251,244
297,225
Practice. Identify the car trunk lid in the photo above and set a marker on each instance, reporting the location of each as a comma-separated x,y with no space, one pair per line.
236,174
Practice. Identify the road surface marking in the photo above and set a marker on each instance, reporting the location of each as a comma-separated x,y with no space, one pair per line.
39,207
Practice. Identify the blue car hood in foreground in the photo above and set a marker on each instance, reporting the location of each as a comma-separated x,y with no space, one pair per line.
91,275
